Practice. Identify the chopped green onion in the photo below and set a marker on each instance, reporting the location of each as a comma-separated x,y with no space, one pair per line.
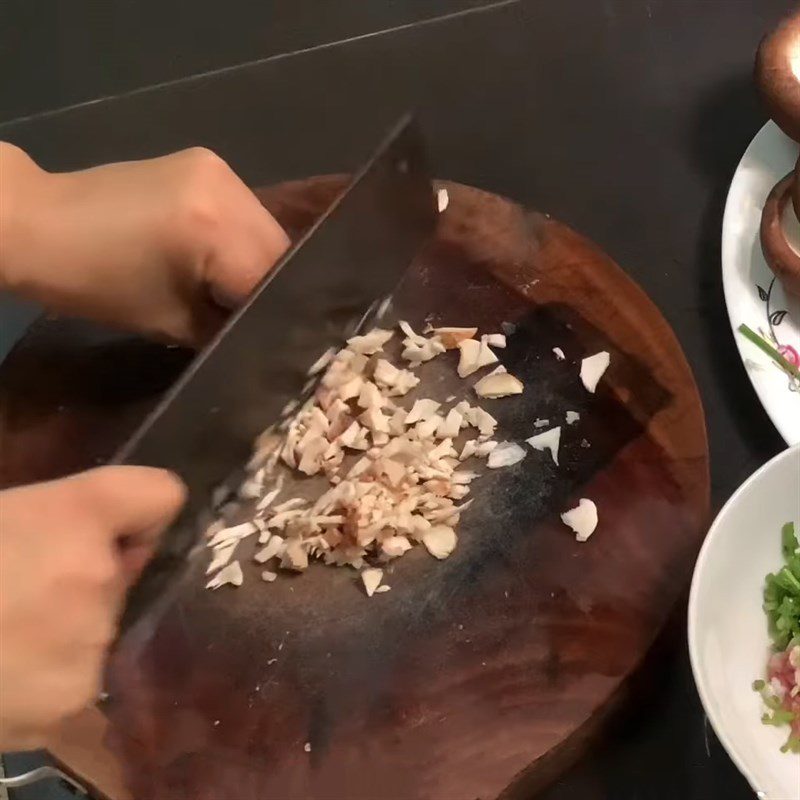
772,703
778,718
782,606
788,540
792,745
765,346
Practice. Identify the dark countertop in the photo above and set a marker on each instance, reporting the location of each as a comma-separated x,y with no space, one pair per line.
624,119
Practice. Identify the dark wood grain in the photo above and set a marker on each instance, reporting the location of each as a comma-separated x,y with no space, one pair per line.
475,677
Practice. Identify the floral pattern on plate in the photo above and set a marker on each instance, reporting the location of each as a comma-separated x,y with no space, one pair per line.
754,298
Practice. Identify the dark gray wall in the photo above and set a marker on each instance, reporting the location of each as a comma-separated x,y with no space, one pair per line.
55,53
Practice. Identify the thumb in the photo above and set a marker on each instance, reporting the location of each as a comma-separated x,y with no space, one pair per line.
133,507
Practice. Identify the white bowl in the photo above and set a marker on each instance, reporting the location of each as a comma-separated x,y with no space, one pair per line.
728,637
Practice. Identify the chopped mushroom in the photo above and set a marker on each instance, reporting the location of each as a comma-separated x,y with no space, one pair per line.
294,556
495,339
450,337
498,384
422,410
222,555
470,446
592,369
572,416
582,519
234,534
274,547
232,574
474,356
440,541
419,353
398,381
451,426
505,454
549,440
394,469
484,449
370,396
371,578
482,420
559,354
395,546
411,336
370,343
268,498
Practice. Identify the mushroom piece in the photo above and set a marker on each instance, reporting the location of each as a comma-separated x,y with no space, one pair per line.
395,546
450,337
474,355
222,555
470,446
274,547
267,500
505,454
484,449
428,427
559,354
371,578
582,519
294,556
232,574
549,440
498,384
482,420
451,426
440,541
572,417
419,353
593,368
370,343
422,410
234,534
495,339
370,396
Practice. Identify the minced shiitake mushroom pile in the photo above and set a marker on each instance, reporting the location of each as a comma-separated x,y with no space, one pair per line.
396,477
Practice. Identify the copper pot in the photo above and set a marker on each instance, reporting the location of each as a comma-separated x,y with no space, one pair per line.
777,74
780,231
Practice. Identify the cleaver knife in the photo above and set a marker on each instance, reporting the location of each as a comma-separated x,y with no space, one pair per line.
319,293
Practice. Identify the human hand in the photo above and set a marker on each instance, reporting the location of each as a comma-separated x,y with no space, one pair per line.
161,246
70,548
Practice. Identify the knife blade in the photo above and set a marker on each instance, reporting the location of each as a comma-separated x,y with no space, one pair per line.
320,292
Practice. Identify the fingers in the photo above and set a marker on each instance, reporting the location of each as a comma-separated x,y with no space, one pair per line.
132,506
240,267
134,502
62,585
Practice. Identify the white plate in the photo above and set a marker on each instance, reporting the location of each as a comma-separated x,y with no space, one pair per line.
728,638
752,294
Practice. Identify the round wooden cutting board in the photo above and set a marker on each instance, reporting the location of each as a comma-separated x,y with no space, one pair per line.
477,677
